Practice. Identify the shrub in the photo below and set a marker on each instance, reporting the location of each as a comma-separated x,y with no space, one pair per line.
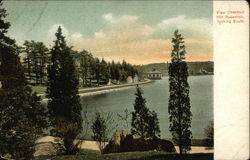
68,133
99,128
209,132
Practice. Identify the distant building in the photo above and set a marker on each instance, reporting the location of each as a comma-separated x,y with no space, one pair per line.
204,72
154,74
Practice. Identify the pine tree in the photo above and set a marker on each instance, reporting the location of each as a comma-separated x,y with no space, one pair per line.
22,117
144,122
64,102
105,75
40,61
99,128
91,68
84,66
35,61
27,61
153,125
179,102
97,70
112,70
209,133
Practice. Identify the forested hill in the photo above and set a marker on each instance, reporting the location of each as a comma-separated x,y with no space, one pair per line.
194,68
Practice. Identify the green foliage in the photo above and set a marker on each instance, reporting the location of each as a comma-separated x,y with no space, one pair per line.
35,61
69,132
99,128
97,72
209,132
179,102
153,124
144,122
85,61
105,74
22,117
62,91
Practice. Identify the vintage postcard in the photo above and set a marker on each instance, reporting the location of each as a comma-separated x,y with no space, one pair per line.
127,80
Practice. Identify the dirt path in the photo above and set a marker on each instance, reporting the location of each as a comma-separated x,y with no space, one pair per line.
104,89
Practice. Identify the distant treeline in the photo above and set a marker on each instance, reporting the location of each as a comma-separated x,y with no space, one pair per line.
92,71
194,68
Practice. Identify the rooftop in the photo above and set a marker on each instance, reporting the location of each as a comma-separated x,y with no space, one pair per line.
154,71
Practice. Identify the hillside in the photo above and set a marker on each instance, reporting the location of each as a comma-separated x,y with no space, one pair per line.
194,68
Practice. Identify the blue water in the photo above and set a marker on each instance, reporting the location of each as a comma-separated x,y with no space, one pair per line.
156,94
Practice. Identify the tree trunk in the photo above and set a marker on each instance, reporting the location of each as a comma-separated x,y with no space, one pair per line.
41,72
29,72
180,147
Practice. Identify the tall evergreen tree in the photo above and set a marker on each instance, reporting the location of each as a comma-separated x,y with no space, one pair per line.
84,67
112,70
179,102
99,128
27,60
104,72
97,70
144,122
35,61
91,68
41,61
153,125
22,117
64,102
209,133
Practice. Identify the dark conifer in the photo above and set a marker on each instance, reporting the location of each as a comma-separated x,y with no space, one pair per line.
105,72
84,67
179,102
22,117
64,102
35,61
144,122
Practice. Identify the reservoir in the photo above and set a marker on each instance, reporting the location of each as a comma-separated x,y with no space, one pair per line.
156,95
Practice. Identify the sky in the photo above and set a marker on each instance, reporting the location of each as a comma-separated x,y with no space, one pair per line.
138,31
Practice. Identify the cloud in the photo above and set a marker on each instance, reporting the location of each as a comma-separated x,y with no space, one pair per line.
108,17
196,31
126,37
123,39
192,28
76,36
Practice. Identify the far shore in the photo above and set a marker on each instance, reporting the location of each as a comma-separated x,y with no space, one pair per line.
105,89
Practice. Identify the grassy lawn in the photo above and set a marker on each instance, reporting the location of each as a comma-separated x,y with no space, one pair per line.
39,89
149,155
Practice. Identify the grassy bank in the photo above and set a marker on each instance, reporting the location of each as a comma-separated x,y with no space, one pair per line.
149,155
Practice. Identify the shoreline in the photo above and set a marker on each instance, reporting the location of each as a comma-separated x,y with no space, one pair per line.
193,75
93,145
105,89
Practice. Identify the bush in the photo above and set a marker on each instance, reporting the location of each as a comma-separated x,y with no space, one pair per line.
209,132
99,128
144,122
68,133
